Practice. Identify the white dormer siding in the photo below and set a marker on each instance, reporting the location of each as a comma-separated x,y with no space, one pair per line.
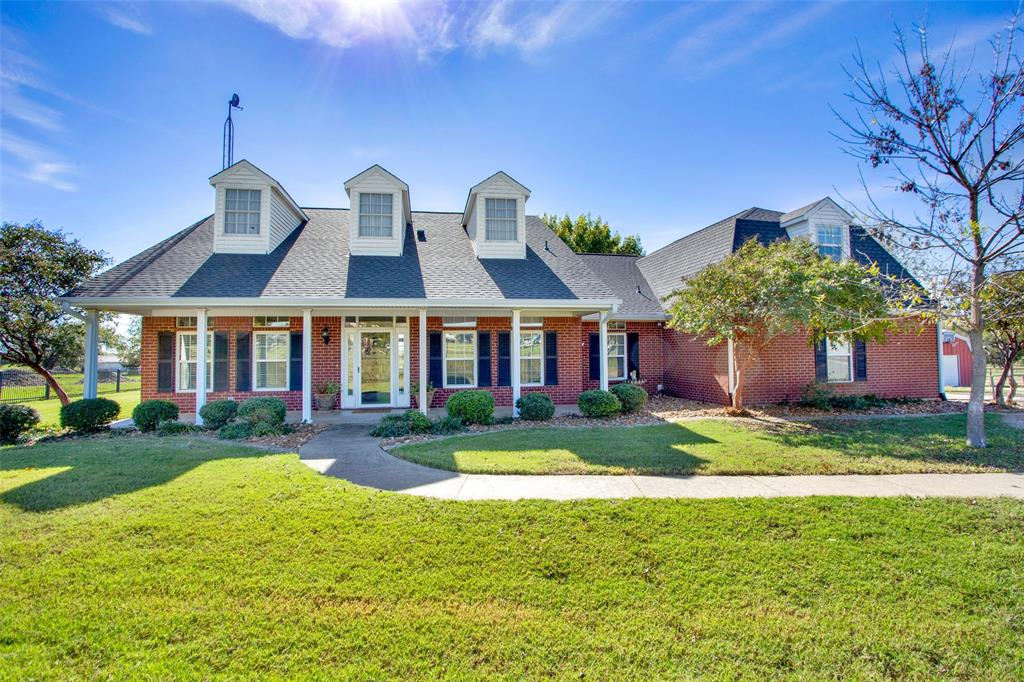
507,198
372,188
278,213
816,221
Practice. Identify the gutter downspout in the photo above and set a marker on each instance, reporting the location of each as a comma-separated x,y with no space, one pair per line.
731,359
66,307
942,379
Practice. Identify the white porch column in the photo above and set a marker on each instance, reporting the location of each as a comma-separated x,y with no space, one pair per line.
200,363
91,353
604,350
307,366
942,377
421,399
517,389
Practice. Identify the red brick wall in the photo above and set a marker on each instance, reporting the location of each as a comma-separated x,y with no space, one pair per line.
652,356
695,370
326,359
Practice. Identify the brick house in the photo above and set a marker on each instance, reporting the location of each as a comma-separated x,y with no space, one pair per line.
384,301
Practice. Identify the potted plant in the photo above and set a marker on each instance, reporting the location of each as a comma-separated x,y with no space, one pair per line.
431,390
325,395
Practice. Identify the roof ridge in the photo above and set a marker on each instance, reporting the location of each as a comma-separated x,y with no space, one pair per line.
596,253
735,216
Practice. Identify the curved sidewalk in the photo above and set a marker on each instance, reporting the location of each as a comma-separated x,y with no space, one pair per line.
349,452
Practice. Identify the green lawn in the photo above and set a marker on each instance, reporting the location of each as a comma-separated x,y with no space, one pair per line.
49,410
924,444
150,558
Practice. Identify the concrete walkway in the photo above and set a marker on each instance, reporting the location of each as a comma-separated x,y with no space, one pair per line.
348,451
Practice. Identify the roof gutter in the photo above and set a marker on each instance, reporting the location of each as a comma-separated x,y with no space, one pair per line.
611,304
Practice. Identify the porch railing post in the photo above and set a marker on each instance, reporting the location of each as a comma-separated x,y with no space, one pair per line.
422,397
201,378
517,388
92,349
604,350
307,366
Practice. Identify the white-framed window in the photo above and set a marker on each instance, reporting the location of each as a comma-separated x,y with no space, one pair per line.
459,322
531,358
187,355
830,241
270,361
617,324
501,220
242,211
272,321
839,359
531,321
375,214
616,357
185,322
459,359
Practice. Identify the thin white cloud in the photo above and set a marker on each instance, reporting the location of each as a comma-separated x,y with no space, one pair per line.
433,27
38,164
127,16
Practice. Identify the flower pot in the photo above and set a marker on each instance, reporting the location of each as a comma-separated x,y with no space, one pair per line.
325,402
430,397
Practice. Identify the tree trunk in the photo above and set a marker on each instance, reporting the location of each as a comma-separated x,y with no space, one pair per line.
998,390
52,381
742,361
1013,388
976,405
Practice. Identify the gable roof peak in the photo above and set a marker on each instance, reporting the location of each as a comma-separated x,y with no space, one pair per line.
245,164
810,208
377,168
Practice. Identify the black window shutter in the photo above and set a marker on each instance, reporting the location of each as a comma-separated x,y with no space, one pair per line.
436,360
165,362
550,358
820,362
220,361
243,361
295,361
483,359
860,360
632,355
504,358
595,357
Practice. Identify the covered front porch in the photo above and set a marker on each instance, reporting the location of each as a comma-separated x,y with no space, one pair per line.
369,355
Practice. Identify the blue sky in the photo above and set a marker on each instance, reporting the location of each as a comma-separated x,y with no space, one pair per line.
660,117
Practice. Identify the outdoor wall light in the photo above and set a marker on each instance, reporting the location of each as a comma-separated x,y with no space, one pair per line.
326,335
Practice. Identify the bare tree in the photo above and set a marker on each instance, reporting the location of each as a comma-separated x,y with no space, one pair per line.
952,136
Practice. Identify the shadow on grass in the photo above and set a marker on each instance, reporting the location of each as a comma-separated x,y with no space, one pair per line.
918,439
660,449
98,468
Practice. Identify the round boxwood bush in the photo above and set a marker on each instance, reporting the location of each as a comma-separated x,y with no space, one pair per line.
217,413
536,407
269,410
235,431
418,422
598,403
14,421
148,414
89,414
631,396
472,407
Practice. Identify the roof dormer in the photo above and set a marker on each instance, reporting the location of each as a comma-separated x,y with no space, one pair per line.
380,212
495,217
253,213
825,223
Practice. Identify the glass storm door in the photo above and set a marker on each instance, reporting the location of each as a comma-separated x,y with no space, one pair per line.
374,368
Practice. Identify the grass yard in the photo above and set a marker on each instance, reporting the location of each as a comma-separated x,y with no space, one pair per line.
870,446
159,558
49,410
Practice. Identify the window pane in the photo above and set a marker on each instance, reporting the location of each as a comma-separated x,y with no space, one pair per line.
501,219
530,370
460,358
839,368
616,344
616,368
375,215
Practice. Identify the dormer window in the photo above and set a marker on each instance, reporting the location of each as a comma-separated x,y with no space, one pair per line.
501,220
242,211
375,215
830,241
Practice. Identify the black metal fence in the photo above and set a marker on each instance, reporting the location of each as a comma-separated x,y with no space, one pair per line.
24,385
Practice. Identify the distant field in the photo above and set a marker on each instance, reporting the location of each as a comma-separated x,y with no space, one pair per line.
11,392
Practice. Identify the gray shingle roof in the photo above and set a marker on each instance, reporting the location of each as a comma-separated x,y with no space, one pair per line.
623,277
314,263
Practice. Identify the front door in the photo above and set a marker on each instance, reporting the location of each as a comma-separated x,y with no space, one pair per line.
373,369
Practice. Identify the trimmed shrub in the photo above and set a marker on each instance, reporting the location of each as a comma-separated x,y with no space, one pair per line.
536,407
631,396
270,410
148,414
445,426
267,429
89,414
14,421
418,422
598,403
396,425
472,407
235,431
173,427
218,413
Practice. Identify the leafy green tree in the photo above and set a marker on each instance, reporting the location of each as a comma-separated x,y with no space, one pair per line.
587,234
37,266
761,292
129,346
1003,300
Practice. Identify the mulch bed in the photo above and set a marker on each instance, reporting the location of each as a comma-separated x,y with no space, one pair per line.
300,435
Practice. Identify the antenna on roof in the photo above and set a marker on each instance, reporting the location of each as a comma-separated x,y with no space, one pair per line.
228,149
